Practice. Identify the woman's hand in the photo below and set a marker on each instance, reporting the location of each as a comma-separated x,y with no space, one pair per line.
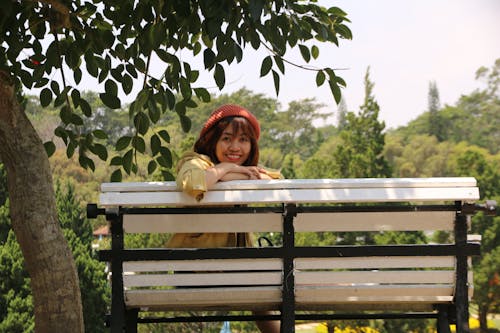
244,173
229,171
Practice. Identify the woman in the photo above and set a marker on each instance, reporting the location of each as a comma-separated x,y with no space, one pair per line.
227,149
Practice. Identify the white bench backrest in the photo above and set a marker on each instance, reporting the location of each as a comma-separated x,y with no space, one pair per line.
294,191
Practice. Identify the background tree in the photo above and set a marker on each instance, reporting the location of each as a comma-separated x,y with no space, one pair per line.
42,40
433,107
360,153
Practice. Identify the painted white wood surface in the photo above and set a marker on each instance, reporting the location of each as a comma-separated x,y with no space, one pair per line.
272,222
203,279
264,297
203,265
375,262
294,191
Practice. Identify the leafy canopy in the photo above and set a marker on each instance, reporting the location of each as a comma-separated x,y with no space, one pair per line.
115,42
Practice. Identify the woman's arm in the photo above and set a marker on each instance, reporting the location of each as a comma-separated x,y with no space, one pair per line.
230,171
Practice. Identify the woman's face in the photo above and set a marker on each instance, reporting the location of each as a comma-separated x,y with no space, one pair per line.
233,147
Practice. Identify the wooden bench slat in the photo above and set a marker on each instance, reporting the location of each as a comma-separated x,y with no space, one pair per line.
272,222
166,186
163,223
375,221
371,277
203,265
336,195
206,298
376,293
203,279
375,262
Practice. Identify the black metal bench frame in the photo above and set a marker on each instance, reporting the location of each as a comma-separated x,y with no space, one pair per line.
457,312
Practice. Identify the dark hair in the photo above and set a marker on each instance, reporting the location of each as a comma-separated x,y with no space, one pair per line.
206,144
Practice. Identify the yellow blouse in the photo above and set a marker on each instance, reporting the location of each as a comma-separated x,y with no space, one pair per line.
191,180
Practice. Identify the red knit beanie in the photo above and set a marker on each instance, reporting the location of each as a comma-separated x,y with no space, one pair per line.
231,110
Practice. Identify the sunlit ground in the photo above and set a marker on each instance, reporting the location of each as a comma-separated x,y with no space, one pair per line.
320,328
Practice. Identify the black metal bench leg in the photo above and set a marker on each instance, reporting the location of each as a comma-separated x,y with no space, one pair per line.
131,320
443,322
117,297
462,288
288,306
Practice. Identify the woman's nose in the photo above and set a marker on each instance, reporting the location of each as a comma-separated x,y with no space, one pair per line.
234,145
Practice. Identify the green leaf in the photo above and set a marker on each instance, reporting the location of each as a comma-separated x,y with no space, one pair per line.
100,134
153,111
91,64
164,135
220,76
320,78
26,78
76,119
279,62
50,148
185,123
127,161
117,160
77,75
85,106
100,151
139,144
185,88
152,167
70,149
194,76
65,114
305,52
208,58
315,52
141,123
131,70
86,162
165,159
266,66
170,99
110,100
167,175
75,97
196,48
110,87
55,87
202,94
127,84
276,79
337,94
45,97
116,176
155,144
255,9
140,65
340,81
62,133
123,142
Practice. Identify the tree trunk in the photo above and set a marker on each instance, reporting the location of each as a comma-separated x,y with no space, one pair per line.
48,259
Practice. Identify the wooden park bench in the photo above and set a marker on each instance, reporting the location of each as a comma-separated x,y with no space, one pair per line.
295,282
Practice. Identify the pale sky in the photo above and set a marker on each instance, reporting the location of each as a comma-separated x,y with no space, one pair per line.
407,44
